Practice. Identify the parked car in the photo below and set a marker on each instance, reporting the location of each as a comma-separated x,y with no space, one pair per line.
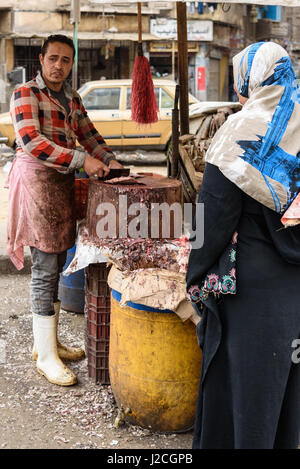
108,103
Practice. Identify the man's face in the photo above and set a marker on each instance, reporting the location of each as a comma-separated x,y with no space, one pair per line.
56,64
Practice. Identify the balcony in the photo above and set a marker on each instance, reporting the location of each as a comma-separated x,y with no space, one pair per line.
90,6
266,30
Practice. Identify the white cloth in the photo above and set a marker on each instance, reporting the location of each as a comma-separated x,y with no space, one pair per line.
258,148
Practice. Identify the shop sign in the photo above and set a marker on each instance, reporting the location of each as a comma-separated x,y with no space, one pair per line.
167,46
196,30
201,83
200,30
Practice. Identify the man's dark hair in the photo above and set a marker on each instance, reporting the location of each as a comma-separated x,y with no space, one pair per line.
57,38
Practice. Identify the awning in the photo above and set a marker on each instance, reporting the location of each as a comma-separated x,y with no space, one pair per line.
285,3
87,36
6,5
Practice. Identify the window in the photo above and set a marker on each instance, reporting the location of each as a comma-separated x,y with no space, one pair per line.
102,98
156,91
128,97
166,101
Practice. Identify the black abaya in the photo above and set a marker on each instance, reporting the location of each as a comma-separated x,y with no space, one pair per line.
249,388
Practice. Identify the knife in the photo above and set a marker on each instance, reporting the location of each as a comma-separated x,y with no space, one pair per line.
116,173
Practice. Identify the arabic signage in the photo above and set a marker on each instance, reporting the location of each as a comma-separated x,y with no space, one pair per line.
197,30
158,46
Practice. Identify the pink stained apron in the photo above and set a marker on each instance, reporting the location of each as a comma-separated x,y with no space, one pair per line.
41,210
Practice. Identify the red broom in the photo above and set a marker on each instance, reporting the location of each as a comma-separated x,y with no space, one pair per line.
144,107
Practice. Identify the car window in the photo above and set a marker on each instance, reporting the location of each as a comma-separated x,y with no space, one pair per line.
128,97
166,101
192,99
102,98
156,91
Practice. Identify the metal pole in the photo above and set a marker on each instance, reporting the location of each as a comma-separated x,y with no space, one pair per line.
183,67
175,136
75,19
75,66
173,60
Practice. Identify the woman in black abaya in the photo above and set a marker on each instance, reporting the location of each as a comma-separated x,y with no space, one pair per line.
245,280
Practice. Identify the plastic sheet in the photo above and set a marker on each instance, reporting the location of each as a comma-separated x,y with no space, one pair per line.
85,254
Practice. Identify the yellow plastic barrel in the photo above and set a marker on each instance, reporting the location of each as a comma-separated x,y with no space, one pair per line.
154,366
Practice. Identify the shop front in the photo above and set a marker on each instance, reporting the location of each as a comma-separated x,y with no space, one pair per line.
163,56
207,60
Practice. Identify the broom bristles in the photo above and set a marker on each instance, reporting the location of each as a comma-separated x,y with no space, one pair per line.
144,107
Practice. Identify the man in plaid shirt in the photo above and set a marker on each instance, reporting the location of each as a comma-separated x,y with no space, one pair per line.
49,117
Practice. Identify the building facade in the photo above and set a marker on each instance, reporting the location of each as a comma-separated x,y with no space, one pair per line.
107,39
213,32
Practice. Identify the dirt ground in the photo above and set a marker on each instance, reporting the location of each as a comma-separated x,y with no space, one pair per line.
36,414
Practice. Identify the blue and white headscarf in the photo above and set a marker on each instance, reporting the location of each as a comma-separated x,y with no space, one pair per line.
258,148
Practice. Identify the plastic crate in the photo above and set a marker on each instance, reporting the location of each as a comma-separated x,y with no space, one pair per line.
97,311
96,346
86,326
98,315
96,279
98,330
81,197
99,375
98,367
97,303
98,271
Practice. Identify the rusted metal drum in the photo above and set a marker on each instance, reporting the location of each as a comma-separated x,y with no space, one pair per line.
154,366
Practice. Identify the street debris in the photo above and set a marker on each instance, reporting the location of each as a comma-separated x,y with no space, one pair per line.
37,414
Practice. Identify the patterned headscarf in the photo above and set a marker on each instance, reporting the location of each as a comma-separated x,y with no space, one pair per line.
258,148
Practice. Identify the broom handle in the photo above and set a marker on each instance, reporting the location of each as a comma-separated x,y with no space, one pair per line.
140,44
140,21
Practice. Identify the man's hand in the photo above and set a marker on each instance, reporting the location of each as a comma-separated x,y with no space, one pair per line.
95,167
114,164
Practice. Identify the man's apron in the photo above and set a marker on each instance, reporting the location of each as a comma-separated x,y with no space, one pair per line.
41,210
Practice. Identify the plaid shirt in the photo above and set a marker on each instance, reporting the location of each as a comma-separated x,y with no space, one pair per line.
45,131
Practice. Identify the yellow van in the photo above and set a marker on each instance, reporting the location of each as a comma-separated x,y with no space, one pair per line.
108,103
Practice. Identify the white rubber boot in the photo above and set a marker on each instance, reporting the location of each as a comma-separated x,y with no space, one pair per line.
67,353
48,362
